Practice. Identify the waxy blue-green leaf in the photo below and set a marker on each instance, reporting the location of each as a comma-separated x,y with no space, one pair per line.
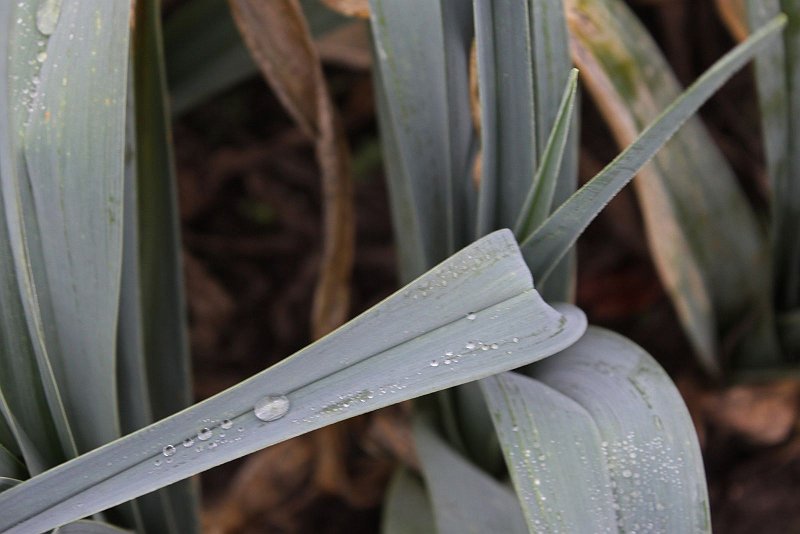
509,147
32,402
74,146
425,78
152,347
407,506
599,440
464,499
559,232
539,200
705,239
205,52
469,317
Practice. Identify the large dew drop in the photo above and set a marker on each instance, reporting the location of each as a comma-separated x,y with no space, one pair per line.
47,16
272,407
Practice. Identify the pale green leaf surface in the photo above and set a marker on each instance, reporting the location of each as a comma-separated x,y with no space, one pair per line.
464,498
539,200
508,128
28,384
638,411
706,241
425,78
602,402
407,507
552,449
393,352
74,145
411,255
559,232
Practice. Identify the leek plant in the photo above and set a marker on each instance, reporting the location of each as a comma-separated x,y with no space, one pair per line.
92,345
733,283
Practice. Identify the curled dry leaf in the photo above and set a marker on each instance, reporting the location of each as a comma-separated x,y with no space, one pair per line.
351,8
280,41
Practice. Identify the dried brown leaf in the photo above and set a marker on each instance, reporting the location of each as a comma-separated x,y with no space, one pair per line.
350,8
280,41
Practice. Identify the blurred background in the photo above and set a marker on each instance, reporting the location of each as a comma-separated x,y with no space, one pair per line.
251,212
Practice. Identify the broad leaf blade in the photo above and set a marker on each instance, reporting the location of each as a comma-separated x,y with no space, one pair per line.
464,498
74,145
509,148
778,82
427,101
556,235
706,242
393,352
29,387
407,507
600,440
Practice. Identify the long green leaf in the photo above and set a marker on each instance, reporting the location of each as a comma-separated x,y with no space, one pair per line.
778,82
464,499
555,236
163,319
552,61
407,507
538,202
74,145
28,383
600,441
509,152
427,101
472,316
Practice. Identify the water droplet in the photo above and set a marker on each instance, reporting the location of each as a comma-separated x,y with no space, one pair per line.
471,316
536,482
470,345
515,340
188,442
226,424
494,345
627,473
168,450
41,57
434,363
47,16
157,463
204,434
271,407
448,361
